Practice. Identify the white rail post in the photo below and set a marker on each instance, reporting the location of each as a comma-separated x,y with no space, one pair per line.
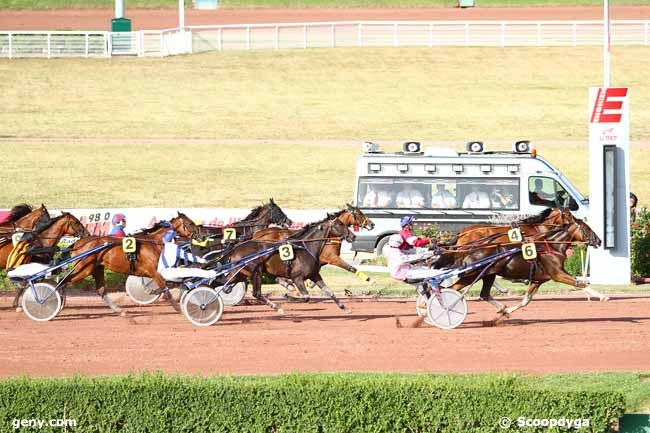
539,34
503,34
304,36
467,34
220,39
277,37
360,35
87,45
645,33
430,35
109,44
49,45
11,47
395,38
248,37
575,34
333,36
140,42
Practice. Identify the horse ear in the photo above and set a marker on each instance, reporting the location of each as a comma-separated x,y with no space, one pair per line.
271,200
179,213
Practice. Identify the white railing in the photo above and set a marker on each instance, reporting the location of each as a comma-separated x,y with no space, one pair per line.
320,35
416,33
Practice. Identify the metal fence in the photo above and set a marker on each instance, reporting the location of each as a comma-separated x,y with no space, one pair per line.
321,35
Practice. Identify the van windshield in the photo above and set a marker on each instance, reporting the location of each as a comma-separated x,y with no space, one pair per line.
438,193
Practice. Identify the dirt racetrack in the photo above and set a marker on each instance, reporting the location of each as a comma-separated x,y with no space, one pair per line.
151,19
554,334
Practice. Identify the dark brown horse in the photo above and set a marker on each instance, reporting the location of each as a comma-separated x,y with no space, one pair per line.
330,253
549,264
259,218
145,263
307,244
23,218
47,233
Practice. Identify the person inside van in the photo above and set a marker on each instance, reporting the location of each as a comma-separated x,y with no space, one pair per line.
476,199
539,197
409,197
443,199
500,200
377,196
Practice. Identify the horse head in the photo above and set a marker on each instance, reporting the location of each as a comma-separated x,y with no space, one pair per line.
276,214
339,229
74,227
359,218
584,233
183,225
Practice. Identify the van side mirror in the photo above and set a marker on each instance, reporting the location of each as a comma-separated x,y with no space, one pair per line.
573,205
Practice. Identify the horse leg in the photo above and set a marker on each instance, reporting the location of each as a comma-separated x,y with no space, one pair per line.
558,274
532,289
329,293
162,284
288,285
100,288
488,280
256,278
19,292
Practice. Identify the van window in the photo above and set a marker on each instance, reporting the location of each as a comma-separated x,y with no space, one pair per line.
545,191
438,193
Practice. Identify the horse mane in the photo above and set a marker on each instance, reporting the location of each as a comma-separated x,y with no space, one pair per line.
158,225
19,211
535,219
303,231
254,213
335,214
43,224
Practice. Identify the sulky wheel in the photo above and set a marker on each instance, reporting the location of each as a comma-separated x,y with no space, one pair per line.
233,294
142,290
42,302
449,313
202,306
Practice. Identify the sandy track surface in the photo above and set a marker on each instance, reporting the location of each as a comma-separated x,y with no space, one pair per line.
150,19
554,334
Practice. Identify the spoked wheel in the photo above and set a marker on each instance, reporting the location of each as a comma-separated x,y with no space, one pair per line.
421,307
203,306
142,290
42,303
233,294
449,313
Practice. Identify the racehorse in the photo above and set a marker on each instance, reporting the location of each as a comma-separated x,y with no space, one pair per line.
259,218
47,233
144,263
331,252
548,265
23,218
307,244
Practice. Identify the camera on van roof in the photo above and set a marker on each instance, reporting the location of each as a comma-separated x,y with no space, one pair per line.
522,146
475,147
411,147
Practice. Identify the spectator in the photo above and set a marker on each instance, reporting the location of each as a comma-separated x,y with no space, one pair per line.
634,211
409,197
539,197
476,199
443,199
500,200
377,197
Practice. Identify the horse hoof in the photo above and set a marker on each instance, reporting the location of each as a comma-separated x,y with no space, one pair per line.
604,298
19,310
346,310
280,311
123,314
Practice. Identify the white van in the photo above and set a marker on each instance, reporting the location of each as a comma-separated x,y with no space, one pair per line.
453,190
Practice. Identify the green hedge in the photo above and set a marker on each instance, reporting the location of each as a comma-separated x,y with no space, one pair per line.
301,403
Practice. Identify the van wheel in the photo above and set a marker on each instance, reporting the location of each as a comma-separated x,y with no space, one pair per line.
382,247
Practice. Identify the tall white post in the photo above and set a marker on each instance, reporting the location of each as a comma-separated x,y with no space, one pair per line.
181,15
606,45
119,8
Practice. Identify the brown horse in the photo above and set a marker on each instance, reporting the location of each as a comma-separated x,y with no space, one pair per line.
46,235
22,218
145,263
330,253
307,244
549,264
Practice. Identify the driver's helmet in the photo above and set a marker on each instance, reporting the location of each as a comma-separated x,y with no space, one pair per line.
169,236
119,219
406,220
395,241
